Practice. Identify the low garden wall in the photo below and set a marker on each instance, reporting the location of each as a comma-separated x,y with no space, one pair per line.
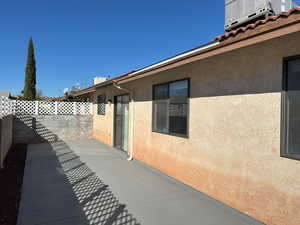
6,136
51,128
42,121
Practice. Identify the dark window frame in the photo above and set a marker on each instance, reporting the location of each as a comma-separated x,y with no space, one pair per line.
284,152
99,103
188,108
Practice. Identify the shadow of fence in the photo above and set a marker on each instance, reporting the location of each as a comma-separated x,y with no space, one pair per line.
97,203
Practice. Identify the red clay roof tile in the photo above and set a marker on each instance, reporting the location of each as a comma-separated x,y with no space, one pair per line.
253,26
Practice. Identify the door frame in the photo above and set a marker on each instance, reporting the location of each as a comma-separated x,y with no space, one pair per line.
114,122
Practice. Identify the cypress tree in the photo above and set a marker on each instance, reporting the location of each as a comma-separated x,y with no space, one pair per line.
30,73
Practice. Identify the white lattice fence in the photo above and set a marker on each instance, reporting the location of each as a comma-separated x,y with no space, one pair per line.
25,108
46,108
83,109
17,107
65,108
7,106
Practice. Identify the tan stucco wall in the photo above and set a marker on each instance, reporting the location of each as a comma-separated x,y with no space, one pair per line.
233,150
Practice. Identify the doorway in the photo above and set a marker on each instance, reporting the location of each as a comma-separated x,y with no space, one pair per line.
121,122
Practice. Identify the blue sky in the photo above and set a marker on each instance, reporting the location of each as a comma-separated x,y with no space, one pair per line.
76,40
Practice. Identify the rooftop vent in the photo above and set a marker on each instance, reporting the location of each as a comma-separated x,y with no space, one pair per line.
240,12
98,80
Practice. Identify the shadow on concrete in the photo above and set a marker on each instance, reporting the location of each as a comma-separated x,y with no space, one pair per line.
60,189
97,201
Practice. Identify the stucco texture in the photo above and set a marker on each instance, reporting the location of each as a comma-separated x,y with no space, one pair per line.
232,152
51,128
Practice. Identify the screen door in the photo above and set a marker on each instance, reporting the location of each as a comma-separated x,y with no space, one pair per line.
121,117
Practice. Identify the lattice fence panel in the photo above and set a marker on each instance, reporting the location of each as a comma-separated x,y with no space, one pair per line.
46,108
18,107
6,106
25,108
83,108
65,108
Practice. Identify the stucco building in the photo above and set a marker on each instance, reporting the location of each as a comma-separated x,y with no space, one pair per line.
222,118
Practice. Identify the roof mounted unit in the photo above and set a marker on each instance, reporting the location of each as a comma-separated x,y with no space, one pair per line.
240,12
98,80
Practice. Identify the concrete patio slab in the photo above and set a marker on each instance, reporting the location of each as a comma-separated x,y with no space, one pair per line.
86,182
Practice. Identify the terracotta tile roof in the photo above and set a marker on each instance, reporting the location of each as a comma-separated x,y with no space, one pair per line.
258,23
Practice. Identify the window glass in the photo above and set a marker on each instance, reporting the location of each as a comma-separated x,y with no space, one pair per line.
178,118
293,107
161,91
179,91
119,105
161,115
125,98
179,88
170,107
101,104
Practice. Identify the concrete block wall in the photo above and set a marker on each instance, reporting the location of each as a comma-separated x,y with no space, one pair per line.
50,128
6,136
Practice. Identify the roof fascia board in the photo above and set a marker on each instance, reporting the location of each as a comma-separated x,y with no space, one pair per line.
175,58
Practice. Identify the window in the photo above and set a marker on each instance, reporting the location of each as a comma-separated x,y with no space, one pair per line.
101,104
170,107
291,109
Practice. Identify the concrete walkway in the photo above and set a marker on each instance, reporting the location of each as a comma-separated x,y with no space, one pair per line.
86,182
